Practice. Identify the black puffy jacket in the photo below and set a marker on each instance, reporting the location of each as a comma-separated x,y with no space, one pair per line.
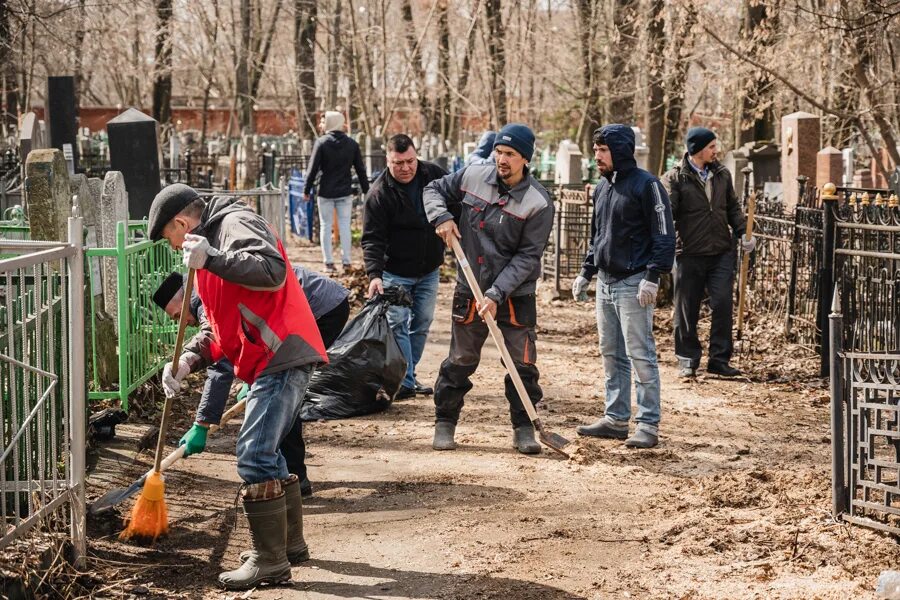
333,155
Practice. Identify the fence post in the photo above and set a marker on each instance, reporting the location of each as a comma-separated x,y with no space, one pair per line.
187,165
77,389
123,311
795,244
839,497
557,259
826,273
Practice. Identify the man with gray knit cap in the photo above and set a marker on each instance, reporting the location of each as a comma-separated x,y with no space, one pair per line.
502,217
708,218
333,154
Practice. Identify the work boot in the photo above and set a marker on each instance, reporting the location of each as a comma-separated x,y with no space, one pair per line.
523,440
606,427
423,390
267,562
723,369
645,436
443,436
305,488
296,548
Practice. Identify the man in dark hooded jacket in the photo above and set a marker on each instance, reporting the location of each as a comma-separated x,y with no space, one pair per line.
632,244
484,153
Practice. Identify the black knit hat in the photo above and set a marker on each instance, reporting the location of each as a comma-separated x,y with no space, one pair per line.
518,137
697,139
167,289
170,201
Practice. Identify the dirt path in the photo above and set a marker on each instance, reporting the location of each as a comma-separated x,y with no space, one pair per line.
734,503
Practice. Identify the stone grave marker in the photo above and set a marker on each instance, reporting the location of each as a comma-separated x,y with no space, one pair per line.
568,163
48,195
829,166
134,151
800,143
62,116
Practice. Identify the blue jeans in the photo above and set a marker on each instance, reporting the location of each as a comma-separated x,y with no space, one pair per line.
626,343
272,406
411,324
344,208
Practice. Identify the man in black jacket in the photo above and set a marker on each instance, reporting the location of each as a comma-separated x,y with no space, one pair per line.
632,243
707,219
333,155
401,249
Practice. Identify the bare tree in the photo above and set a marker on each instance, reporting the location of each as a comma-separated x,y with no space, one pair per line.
162,77
305,19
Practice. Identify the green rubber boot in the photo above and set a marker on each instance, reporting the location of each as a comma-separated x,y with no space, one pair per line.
267,562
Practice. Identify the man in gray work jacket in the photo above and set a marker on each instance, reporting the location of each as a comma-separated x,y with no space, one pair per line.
502,217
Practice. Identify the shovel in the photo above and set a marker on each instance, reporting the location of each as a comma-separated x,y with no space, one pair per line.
119,495
745,266
549,439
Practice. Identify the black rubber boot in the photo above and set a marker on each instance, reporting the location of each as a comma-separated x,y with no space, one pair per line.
443,436
296,547
523,440
267,562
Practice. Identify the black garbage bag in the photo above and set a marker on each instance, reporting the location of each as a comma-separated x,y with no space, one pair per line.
365,368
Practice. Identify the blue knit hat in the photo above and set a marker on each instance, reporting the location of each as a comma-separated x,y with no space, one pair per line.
518,137
697,139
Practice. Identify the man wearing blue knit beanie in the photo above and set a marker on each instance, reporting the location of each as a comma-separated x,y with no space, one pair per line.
708,219
502,217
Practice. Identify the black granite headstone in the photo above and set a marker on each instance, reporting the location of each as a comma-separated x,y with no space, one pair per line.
62,114
134,150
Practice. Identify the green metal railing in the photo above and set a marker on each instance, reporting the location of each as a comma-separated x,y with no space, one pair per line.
13,226
146,336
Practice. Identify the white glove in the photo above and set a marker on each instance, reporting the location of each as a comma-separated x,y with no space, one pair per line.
196,250
172,381
647,292
579,289
748,245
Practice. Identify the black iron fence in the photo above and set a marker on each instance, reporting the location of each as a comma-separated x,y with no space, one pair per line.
863,229
570,236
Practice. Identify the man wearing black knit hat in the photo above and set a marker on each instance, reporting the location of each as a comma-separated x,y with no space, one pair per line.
708,218
502,217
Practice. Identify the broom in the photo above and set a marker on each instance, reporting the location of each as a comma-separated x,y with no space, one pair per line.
149,517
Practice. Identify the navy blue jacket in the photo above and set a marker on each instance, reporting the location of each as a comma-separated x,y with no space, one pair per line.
631,230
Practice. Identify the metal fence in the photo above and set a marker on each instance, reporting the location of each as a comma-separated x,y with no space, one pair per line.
145,334
570,236
42,404
864,357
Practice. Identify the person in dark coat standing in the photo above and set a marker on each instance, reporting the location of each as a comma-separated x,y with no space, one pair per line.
401,249
632,243
708,217
333,155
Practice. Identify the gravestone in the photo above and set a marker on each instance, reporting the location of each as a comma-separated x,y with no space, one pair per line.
879,179
113,209
134,151
849,155
829,166
862,178
800,143
62,115
641,150
89,204
894,183
48,195
568,163
174,152
735,161
31,136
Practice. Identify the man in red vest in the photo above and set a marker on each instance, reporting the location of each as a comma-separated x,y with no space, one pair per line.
257,317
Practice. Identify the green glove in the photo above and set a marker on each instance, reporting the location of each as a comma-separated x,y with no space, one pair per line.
194,441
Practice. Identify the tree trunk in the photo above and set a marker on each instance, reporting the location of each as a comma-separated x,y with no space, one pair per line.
677,82
8,67
656,111
622,86
415,59
755,109
162,77
243,98
592,111
496,44
305,18
442,101
335,51
462,82
262,48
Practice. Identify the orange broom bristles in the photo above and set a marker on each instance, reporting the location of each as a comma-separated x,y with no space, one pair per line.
149,517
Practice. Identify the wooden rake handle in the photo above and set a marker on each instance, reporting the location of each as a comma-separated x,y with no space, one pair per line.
495,332
179,343
745,264
178,453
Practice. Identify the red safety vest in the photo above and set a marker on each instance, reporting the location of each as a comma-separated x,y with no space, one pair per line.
250,326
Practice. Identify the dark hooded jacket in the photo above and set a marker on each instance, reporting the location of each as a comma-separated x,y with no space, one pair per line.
484,153
631,230
333,154
704,212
